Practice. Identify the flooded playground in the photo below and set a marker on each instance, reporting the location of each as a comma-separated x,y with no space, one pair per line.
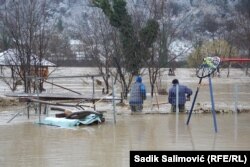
25,143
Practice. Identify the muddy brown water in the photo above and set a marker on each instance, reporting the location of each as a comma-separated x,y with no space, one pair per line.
24,143
28,144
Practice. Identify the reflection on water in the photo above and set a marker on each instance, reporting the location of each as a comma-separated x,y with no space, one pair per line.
24,144
28,144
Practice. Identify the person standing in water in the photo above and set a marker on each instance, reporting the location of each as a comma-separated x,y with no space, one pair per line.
137,95
184,94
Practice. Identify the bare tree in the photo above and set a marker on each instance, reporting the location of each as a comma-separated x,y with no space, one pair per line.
138,43
220,30
243,28
27,24
10,78
59,49
97,43
159,55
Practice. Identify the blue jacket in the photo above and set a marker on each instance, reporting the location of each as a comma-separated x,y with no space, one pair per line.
138,92
183,92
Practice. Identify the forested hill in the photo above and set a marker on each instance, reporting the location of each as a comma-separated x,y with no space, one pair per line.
184,23
192,19
194,13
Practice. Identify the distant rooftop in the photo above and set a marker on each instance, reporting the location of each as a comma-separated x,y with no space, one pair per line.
10,58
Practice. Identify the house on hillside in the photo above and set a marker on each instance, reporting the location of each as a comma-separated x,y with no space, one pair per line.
78,50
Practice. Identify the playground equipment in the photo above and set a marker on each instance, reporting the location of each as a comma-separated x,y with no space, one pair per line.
208,67
241,60
238,60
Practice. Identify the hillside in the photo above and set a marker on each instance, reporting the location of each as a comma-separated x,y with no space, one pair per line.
192,19
189,20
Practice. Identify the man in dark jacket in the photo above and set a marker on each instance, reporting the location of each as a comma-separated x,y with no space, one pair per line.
184,93
137,95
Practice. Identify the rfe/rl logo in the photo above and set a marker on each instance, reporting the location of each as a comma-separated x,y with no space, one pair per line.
226,158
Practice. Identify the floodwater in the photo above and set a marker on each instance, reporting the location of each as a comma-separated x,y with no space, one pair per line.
24,143
28,144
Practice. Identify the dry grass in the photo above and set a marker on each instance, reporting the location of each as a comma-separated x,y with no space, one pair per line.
6,101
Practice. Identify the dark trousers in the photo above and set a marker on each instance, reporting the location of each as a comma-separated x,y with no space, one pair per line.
136,108
181,108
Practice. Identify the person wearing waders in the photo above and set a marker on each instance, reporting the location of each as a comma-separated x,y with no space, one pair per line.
184,94
137,95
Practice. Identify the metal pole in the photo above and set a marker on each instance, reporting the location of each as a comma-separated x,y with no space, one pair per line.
93,84
28,103
177,99
113,96
212,102
176,126
28,109
39,104
177,112
14,116
63,87
236,91
195,96
52,85
93,91
236,98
